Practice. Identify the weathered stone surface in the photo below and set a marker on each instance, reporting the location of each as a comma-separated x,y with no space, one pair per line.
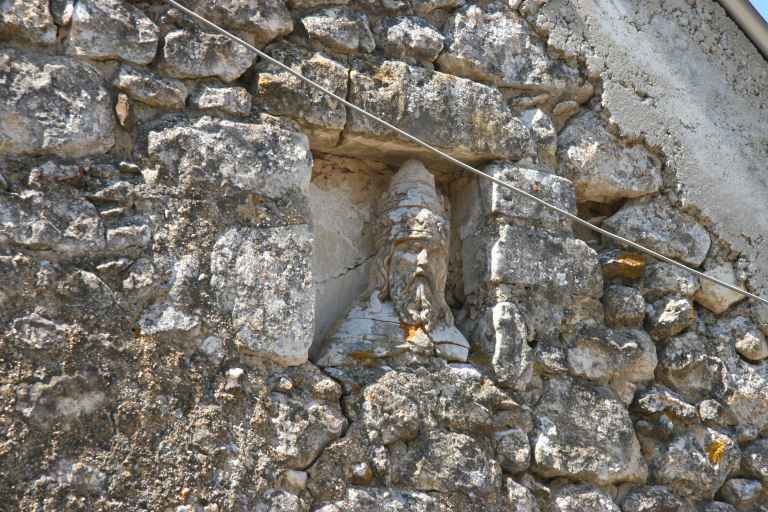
572,441
266,20
262,312
691,369
280,93
196,54
476,126
604,354
229,100
660,400
754,460
111,29
662,229
624,306
656,498
543,137
662,279
27,20
601,168
716,506
493,44
383,499
513,450
69,115
670,316
582,498
503,336
519,498
339,29
265,159
154,90
741,493
423,7
408,38
746,337
717,298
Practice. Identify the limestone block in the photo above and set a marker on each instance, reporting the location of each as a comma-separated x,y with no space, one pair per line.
510,206
543,137
741,492
748,340
690,368
262,278
38,332
656,498
664,279
581,498
493,44
196,54
266,20
52,105
717,298
27,20
661,400
662,229
624,306
147,87
229,100
513,450
112,29
408,38
572,441
266,159
531,257
519,498
340,30
280,93
670,316
475,125
605,354
755,460
603,170
373,499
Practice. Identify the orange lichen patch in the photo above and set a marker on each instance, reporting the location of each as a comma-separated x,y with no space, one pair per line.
411,331
628,265
716,450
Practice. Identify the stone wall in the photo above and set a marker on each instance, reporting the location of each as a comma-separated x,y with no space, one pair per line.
184,228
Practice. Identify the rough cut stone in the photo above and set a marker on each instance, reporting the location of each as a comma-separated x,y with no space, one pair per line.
543,137
475,125
601,168
340,29
741,493
656,498
230,100
604,354
572,441
745,336
112,29
494,44
196,54
662,229
755,460
624,306
264,311
513,450
423,7
408,38
384,499
662,279
689,368
582,498
154,90
717,298
264,159
27,20
670,316
52,105
660,400
280,93
266,20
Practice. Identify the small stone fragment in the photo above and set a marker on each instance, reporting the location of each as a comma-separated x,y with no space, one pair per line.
617,263
741,493
519,498
656,498
755,460
122,108
662,279
543,137
230,100
670,316
744,334
295,480
409,38
601,354
112,29
361,473
233,378
660,400
624,306
153,90
196,54
582,498
717,298
27,20
340,29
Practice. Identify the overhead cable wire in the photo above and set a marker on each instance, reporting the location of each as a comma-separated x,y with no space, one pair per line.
459,163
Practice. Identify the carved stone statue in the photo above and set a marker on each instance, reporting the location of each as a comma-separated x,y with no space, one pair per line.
404,309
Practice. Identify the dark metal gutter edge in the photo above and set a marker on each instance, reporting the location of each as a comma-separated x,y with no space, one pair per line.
750,22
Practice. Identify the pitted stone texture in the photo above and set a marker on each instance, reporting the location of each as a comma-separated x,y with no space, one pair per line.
153,90
475,125
754,460
52,105
384,500
494,44
605,354
513,450
656,498
532,257
409,38
582,498
519,498
696,463
232,157
690,366
27,20
662,279
196,54
112,29
229,100
714,297
746,337
624,306
543,137
742,493
601,168
263,309
340,30
511,207
280,93
266,20
670,316
660,400
662,229
584,432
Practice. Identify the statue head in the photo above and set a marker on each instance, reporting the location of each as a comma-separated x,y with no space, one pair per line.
412,249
